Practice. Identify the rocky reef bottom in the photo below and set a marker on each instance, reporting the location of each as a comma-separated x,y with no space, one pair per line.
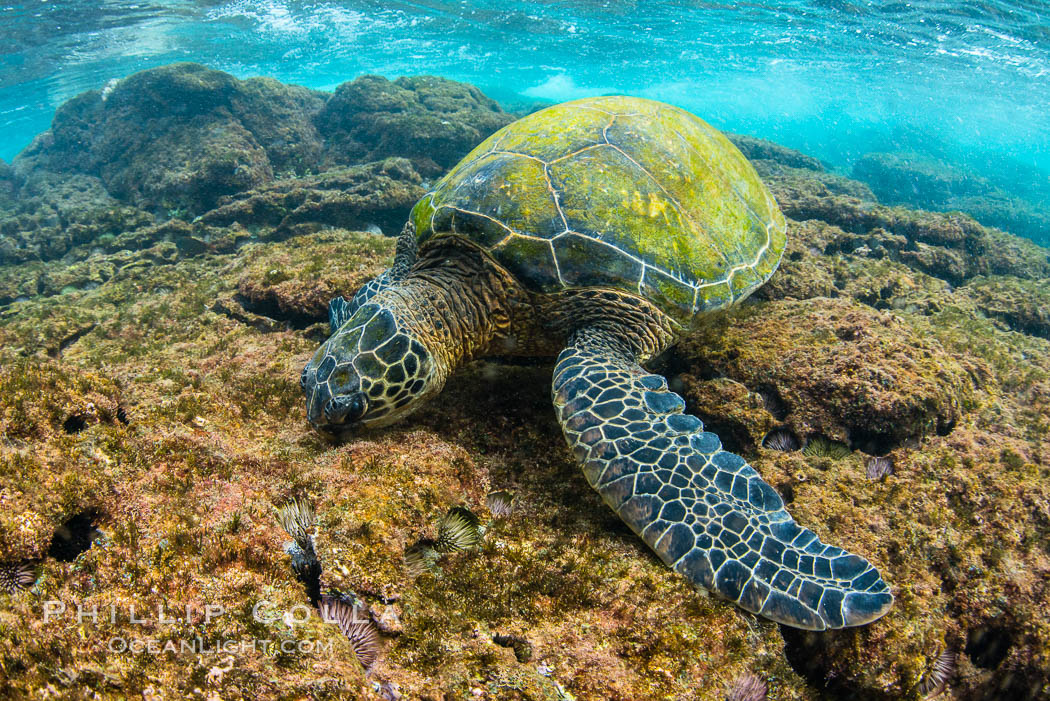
892,382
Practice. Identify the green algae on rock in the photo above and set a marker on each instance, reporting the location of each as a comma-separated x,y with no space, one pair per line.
174,142
431,121
846,371
378,194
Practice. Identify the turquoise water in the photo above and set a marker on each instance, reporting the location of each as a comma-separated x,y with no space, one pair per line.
965,82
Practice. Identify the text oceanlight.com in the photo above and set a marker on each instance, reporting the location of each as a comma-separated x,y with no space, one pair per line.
198,646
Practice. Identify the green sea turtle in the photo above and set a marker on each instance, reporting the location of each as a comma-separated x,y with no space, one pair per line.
600,231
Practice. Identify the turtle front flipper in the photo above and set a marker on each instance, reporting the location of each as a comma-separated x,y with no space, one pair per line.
704,511
340,309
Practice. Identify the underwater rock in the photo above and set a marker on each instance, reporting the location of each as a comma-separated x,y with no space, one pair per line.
1007,213
762,150
378,194
921,181
1023,305
727,407
953,247
7,184
217,436
910,178
85,275
294,281
55,212
816,182
166,139
846,371
433,122
279,117
178,141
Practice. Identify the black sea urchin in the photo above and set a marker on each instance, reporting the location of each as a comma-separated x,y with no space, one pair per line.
781,439
297,518
936,678
747,687
879,467
522,647
820,447
421,557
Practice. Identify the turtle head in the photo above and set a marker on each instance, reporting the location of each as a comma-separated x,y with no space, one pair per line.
371,372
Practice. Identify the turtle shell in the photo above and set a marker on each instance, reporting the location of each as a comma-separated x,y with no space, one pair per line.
614,192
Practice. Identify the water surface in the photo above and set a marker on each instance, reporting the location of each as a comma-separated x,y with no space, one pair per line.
966,82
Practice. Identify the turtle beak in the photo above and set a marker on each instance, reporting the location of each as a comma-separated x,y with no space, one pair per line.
345,409
331,414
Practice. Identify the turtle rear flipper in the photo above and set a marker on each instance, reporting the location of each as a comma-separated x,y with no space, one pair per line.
704,511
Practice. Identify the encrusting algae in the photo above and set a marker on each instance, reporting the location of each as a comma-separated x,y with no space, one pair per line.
151,390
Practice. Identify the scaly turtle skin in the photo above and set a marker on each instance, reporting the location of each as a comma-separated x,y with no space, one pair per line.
600,231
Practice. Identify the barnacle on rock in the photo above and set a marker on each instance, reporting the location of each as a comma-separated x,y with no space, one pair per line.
421,557
936,678
747,687
297,518
781,439
16,576
820,447
500,503
356,625
459,529
879,467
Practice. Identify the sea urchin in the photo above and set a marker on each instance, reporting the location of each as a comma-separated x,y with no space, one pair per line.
16,576
459,529
357,627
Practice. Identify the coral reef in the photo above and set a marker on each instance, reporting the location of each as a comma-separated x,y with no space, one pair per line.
151,421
